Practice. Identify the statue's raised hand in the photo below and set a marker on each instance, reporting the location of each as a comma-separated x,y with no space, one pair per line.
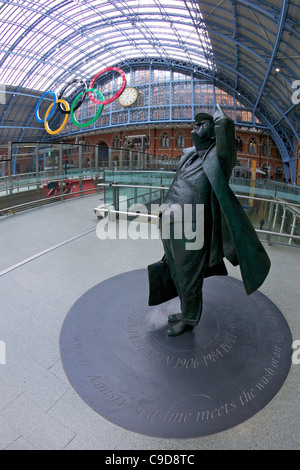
219,113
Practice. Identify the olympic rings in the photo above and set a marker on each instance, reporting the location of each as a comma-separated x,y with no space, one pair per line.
116,69
79,99
67,107
37,114
60,95
73,107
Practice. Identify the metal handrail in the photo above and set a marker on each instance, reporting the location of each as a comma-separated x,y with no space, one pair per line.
276,201
62,196
37,202
118,185
164,172
41,179
147,215
266,232
138,214
278,234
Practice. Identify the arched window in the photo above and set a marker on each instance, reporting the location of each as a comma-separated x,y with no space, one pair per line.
116,142
137,143
180,141
279,173
252,146
165,140
146,143
266,149
103,151
239,144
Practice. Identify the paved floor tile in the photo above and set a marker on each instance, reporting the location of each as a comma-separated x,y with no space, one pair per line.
36,426
39,409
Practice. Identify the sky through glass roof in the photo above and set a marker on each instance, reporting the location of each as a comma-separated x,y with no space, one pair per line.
248,47
45,44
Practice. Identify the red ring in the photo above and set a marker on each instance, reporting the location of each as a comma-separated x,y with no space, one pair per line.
116,69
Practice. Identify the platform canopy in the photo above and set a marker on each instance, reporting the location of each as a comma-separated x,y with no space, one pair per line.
248,47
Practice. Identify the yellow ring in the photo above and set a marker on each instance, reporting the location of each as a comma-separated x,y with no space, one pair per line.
67,108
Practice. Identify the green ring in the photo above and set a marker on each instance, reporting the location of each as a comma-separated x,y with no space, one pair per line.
89,123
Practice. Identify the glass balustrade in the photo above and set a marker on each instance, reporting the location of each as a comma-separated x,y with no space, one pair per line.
276,220
39,173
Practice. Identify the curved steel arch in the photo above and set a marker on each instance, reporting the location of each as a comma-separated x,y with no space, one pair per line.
268,85
281,136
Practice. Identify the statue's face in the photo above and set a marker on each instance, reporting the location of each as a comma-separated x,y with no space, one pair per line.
202,132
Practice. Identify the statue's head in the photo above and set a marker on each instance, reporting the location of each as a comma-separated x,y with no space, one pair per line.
203,133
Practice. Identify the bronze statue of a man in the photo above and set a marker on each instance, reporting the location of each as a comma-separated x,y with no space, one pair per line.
202,179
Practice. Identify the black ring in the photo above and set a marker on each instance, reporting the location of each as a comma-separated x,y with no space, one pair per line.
80,101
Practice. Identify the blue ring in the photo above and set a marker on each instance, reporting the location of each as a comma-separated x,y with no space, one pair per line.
38,105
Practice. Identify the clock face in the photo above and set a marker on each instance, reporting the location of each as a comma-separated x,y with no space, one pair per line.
128,96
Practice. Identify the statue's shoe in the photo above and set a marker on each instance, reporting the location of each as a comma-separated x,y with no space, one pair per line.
174,317
178,329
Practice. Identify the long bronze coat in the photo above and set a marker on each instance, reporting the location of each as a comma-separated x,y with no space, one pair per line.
233,235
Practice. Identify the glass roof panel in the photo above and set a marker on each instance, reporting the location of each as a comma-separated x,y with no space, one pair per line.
249,46
57,37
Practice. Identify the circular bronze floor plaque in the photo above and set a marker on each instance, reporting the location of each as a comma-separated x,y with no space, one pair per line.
118,358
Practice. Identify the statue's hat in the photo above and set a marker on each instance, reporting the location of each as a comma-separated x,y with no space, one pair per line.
203,116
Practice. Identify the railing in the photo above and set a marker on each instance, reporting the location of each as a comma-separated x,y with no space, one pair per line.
275,221
31,179
61,165
38,202
266,188
134,176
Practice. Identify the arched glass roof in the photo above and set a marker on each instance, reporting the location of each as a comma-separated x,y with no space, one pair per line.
45,43
248,47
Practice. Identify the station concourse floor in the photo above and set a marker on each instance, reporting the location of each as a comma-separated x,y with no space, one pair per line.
51,256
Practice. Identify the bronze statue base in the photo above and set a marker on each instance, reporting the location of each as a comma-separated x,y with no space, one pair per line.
119,359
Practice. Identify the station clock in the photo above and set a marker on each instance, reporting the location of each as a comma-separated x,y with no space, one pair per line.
128,97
